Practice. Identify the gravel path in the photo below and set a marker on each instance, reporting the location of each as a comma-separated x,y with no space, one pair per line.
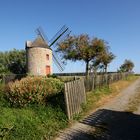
117,120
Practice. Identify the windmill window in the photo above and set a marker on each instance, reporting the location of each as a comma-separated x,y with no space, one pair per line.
47,56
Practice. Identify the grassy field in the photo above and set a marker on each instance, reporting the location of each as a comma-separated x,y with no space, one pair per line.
43,123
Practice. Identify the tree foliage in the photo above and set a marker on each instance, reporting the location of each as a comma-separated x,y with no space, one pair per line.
13,61
81,47
127,66
102,61
106,59
3,64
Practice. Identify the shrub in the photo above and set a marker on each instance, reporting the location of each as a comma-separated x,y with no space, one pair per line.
3,102
33,90
52,76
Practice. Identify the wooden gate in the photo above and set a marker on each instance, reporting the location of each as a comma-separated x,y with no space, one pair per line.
75,96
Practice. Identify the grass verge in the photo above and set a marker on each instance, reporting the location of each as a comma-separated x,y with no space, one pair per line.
35,123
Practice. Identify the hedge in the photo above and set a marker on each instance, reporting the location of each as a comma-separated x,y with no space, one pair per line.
32,90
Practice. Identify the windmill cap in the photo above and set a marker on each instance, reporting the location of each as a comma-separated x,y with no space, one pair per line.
28,43
38,42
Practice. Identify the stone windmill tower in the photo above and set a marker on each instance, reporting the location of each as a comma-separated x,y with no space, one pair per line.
39,57
40,53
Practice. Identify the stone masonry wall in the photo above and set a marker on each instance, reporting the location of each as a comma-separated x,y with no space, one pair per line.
37,60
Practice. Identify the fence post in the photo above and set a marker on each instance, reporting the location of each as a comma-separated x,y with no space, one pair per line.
67,101
108,80
93,82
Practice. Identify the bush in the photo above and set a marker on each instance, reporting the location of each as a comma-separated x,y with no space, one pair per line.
52,76
3,102
31,90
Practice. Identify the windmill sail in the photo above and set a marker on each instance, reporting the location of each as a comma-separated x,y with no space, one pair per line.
41,33
61,34
58,63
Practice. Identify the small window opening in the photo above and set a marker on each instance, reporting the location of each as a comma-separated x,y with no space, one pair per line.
47,56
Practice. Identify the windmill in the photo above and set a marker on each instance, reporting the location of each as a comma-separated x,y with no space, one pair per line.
41,45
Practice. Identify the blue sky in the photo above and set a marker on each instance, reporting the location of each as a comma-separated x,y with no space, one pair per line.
116,21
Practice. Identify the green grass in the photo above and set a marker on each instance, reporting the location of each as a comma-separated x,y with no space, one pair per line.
30,123
95,96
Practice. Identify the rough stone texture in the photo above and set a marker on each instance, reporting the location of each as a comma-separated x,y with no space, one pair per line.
36,57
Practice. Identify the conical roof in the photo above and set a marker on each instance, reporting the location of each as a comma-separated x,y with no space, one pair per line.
39,42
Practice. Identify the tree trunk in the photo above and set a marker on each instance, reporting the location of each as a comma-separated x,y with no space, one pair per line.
106,79
105,69
87,71
95,78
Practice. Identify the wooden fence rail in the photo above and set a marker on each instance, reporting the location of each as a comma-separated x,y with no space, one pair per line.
93,82
75,96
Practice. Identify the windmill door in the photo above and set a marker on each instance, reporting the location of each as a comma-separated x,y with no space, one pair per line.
48,70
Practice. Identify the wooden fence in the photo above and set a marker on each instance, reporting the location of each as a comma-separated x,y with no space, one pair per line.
75,96
93,82
75,93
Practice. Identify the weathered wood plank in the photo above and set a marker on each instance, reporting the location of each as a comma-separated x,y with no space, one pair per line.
74,97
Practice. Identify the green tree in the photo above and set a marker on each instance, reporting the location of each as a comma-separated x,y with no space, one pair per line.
81,47
127,66
13,61
3,64
103,60
106,59
3,70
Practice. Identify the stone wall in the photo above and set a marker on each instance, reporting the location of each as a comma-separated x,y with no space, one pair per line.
37,60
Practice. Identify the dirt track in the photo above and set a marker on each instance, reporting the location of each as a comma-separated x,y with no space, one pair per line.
117,120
